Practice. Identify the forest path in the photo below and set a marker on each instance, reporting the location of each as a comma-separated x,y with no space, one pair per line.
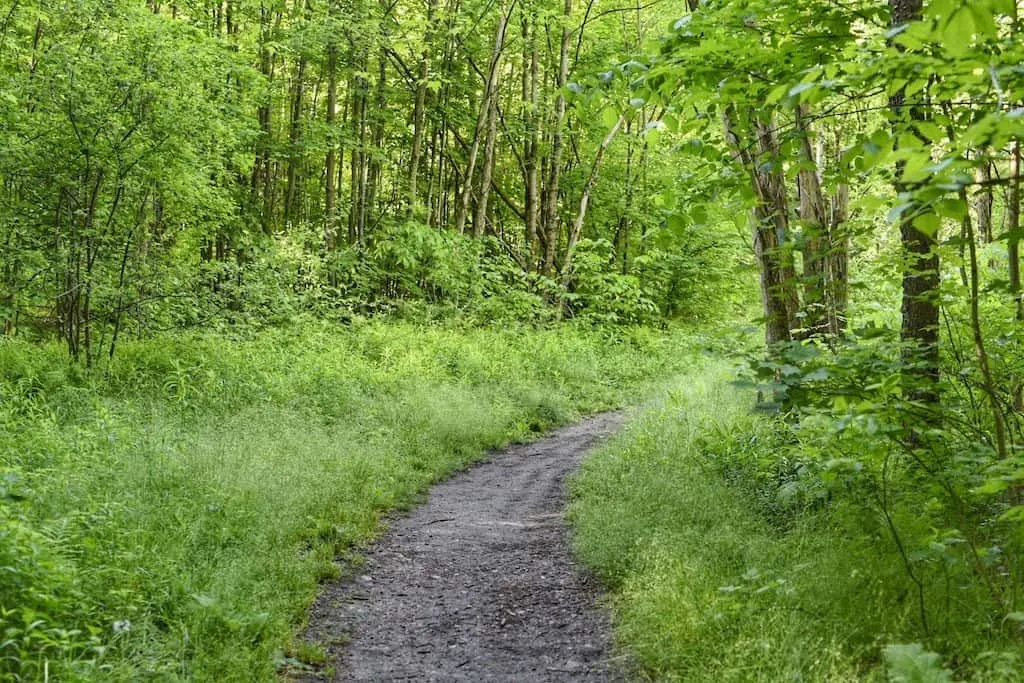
478,583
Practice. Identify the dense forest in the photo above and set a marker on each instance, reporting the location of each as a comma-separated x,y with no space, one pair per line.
251,246
169,165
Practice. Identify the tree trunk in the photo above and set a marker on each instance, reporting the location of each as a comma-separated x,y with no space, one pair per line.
531,145
920,309
771,222
1013,226
816,244
330,189
550,215
419,108
838,262
983,201
291,212
581,215
483,121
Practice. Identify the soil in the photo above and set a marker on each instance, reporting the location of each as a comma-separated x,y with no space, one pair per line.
478,583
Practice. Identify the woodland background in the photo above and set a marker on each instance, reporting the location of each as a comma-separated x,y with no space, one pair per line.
426,227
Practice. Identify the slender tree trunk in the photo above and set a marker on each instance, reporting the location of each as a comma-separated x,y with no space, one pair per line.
262,181
330,172
838,262
983,201
484,120
1013,226
357,175
581,214
374,163
988,382
294,140
531,146
419,108
487,170
550,217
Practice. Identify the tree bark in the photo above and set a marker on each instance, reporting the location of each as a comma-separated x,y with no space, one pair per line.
1013,226
771,223
983,201
816,244
920,309
550,216
419,109
581,214
330,189
484,121
531,144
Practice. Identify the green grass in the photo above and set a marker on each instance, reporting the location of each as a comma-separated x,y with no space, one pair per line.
173,520
708,585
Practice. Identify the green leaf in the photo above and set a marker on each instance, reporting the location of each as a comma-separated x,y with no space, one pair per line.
992,487
913,664
609,117
1013,514
953,208
958,34
928,223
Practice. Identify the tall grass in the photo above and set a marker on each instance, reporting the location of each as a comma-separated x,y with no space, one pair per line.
172,520
716,577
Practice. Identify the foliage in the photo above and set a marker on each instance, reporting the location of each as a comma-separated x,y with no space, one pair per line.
742,546
174,520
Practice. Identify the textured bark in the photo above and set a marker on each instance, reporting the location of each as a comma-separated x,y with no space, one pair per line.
262,172
487,171
330,189
1013,226
291,203
838,262
771,221
816,244
920,310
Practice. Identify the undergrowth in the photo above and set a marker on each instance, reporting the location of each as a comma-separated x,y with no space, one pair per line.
732,558
171,517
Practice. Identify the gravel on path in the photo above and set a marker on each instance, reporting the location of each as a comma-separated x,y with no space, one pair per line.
478,583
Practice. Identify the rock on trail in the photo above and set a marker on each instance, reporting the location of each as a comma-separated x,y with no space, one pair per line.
478,583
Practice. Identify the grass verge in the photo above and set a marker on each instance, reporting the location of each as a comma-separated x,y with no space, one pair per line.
712,582
173,520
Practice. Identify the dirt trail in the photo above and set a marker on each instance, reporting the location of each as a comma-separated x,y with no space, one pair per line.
478,583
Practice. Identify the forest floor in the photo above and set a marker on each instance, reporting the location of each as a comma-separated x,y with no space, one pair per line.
478,583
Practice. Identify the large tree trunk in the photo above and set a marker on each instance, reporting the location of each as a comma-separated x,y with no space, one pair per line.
920,308
816,243
771,220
